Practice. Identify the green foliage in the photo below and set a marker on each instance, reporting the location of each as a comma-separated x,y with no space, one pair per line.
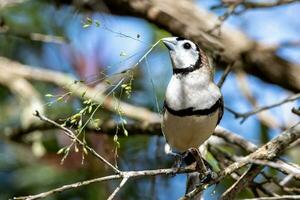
89,22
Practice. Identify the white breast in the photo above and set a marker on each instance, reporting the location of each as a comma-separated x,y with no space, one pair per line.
183,133
192,90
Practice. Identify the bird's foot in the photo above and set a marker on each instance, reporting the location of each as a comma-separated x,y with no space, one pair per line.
207,176
204,168
178,159
177,163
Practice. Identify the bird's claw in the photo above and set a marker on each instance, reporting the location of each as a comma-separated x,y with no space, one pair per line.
207,177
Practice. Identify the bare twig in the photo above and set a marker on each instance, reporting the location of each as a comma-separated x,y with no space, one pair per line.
124,180
246,4
67,187
71,135
233,138
245,115
296,111
283,197
39,37
266,4
294,171
241,183
123,175
266,118
225,74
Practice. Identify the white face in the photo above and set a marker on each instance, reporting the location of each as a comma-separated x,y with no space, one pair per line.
184,53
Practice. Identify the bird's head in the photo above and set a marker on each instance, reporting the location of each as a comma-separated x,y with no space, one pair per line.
185,54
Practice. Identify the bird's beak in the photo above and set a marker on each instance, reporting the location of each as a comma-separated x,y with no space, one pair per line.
170,42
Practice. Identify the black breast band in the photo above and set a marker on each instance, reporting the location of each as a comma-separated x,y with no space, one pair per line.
190,111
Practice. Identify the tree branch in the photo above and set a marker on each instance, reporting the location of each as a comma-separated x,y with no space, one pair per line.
122,175
283,197
245,115
186,19
67,82
266,4
124,180
269,151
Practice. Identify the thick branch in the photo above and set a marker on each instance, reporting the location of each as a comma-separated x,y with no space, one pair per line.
67,82
123,174
184,18
267,4
269,151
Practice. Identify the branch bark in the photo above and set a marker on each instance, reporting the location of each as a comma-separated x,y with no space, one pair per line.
66,82
186,19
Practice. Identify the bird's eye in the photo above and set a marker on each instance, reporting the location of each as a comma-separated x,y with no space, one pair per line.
187,45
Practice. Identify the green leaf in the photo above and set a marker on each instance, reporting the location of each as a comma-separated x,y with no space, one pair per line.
90,108
88,22
76,148
86,25
125,132
115,138
97,23
60,151
108,81
48,95
85,151
60,98
123,53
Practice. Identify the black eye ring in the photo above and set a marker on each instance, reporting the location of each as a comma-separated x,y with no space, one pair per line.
187,45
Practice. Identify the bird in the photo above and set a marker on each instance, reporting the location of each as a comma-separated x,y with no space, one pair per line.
193,105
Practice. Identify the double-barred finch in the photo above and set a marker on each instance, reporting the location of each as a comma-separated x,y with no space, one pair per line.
193,102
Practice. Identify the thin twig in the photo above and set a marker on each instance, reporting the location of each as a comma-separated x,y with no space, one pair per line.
266,4
6,31
71,135
266,118
124,175
283,197
245,115
252,4
67,187
281,166
225,74
124,180
296,111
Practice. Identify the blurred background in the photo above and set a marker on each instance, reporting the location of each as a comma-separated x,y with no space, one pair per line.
91,46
